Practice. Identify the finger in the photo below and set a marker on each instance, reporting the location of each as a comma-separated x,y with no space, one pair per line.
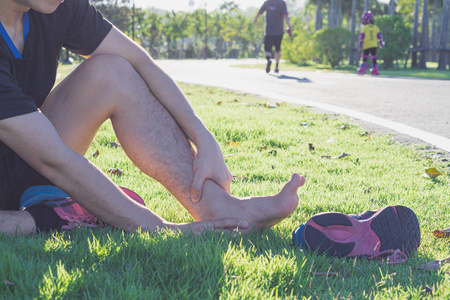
196,189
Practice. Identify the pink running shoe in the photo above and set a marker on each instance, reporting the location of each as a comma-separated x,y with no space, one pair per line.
374,233
74,215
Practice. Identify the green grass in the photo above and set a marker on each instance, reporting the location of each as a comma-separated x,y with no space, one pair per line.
431,72
111,264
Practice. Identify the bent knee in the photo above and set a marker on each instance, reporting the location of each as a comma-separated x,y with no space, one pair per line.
112,70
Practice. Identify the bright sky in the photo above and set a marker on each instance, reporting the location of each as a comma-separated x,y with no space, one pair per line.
183,5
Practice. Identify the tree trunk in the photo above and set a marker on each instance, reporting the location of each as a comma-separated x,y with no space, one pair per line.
353,52
339,13
434,40
391,8
366,5
424,38
332,14
444,33
415,35
319,22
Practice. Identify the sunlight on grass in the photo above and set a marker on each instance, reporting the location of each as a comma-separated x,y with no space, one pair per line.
269,145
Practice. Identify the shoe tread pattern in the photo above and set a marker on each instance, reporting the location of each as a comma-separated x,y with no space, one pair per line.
317,241
400,231
328,219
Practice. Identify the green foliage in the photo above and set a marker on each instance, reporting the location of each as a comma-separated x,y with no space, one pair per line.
119,14
397,37
299,50
333,44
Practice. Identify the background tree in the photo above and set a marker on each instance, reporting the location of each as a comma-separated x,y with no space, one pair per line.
415,35
117,12
443,53
333,44
397,36
424,37
300,49
175,28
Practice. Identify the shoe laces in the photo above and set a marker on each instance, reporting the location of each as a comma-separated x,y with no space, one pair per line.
392,257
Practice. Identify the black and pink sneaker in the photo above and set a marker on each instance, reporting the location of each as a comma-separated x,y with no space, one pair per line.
69,213
392,231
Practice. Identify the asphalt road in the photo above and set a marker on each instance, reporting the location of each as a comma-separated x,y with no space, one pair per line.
419,108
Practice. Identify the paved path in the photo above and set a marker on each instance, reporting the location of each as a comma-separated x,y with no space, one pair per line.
419,108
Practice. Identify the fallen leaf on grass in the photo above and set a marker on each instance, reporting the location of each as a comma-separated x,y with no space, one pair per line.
433,265
442,233
229,155
365,133
326,156
344,127
343,154
311,147
114,144
7,282
432,173
233,144
427,290
273,152
219,103
366,191
95,154
263,148
116,171
327,274
268,105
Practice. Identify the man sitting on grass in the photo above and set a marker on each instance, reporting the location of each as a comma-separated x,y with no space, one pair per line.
45,132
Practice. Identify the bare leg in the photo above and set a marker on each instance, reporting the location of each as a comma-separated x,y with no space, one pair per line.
16,223
277,57
150,136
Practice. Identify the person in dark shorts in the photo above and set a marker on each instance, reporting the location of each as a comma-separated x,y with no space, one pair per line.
46,130
276,14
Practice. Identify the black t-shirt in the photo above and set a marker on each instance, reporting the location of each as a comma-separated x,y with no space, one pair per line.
25,83
275,10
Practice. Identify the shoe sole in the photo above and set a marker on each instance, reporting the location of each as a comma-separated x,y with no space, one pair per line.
337,234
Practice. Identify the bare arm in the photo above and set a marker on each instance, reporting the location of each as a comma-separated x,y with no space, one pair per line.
34,138
209,162
256,18
286,19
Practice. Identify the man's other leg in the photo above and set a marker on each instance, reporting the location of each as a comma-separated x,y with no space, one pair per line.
277,44
107,86
268,51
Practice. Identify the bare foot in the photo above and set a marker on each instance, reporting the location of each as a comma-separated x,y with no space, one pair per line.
259,212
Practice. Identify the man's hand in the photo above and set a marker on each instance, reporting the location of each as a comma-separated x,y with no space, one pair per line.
289,31
209,164
225,225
